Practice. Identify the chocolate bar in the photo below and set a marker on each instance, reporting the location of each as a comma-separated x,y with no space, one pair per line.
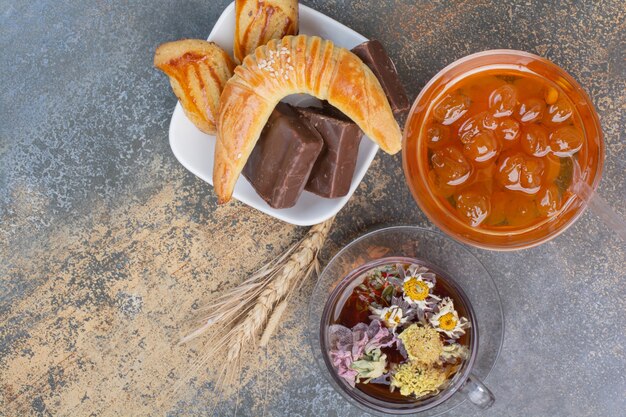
332,173
333,111
282,160
373,54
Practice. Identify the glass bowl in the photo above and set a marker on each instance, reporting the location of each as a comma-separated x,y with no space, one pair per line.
440,253
415,160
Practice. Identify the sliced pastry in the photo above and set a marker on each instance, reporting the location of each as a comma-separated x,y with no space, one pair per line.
257,22
198,71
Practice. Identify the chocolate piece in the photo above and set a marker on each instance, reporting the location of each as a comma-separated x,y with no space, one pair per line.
332,174
281,162
333,111
373,54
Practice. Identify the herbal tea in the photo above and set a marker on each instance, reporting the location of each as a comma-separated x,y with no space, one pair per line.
399,333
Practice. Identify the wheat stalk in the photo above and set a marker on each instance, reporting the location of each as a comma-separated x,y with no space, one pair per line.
272,323
252,310
233,304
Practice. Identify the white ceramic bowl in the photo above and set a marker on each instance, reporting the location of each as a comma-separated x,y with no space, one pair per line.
194,149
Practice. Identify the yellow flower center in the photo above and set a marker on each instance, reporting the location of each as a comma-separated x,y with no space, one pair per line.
416,290
388,317
447,322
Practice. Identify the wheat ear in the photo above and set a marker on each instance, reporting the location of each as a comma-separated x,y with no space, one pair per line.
299,265
253,309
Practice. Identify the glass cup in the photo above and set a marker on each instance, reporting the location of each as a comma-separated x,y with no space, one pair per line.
472,288
588,168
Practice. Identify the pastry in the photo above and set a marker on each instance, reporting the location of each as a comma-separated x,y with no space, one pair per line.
259,21
282,160
292,65
198,71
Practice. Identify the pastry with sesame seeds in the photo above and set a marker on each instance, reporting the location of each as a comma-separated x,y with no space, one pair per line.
296,65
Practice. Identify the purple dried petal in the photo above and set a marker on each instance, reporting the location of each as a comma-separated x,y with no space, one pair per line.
401,302
360,328
349,375
342,360
400,270
344,371
383,379
373,328
421,315
396,282
349,345
415,270
401,349
358,347
380,336
339,335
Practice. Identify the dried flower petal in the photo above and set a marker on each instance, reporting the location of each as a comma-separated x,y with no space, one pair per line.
452,353
372,365
417,291
402,301
392,316
348,346
415,378
446,320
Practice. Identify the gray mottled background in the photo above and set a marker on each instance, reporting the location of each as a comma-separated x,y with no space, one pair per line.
107,243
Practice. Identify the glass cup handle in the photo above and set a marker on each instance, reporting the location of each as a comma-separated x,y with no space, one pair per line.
478,393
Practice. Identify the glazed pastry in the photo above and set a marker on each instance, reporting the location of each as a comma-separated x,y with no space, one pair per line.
198,71
292,65
259,21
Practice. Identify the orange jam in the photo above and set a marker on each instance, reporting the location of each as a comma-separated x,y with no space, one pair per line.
499,151
499,148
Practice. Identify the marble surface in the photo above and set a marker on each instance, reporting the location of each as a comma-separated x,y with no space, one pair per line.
108,247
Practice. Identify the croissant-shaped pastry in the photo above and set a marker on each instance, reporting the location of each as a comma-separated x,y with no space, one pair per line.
292,65
259,21
198,71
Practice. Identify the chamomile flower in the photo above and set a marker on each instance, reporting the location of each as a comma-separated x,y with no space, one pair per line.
446,320
417,291
392,316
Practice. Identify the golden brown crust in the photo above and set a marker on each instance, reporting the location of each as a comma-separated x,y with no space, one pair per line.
293,65
198,71
259,21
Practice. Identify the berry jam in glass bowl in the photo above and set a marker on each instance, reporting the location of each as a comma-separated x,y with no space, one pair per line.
495,147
